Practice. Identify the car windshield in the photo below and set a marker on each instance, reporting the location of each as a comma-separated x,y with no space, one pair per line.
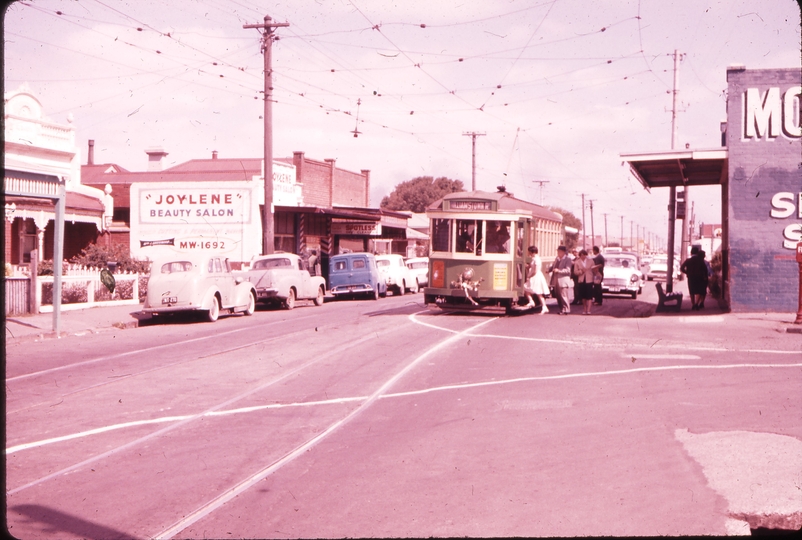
620,262
382,262
177,266
271,263
418,265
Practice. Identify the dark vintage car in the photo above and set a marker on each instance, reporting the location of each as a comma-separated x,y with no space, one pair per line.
355,274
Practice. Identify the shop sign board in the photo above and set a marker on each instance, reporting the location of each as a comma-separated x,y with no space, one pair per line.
221,217
356,228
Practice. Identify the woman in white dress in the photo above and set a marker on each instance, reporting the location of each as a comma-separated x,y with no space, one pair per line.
536,283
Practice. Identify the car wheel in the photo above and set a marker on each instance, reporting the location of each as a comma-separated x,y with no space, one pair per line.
320,296
251,305
289,303
375,295
382,294
214,312
402,288
634,294
416,288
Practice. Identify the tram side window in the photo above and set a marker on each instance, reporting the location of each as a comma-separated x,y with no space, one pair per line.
469,236
498,237
441,235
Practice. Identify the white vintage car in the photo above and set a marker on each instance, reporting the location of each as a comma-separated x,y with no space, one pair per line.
419,268
282,278
197,283
622,275
395,274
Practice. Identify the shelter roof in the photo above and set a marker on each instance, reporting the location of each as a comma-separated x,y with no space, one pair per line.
679,167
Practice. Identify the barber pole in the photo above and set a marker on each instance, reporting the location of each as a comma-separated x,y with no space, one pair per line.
301,234
326,241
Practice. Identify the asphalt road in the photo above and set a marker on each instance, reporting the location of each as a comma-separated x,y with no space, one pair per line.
380,418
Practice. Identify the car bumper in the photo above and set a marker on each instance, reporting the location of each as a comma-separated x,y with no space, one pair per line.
351,289
266,294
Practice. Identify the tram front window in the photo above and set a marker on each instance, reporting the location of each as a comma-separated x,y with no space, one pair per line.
441,235
498,237
469,236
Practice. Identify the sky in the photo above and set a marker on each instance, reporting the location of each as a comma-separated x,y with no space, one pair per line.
556,90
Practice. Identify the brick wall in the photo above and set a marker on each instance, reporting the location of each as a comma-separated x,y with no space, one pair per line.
763,274
347,188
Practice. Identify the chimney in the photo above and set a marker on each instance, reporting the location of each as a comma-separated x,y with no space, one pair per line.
90,158
155,158
214,154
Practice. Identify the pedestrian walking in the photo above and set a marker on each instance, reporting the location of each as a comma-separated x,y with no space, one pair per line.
583,270
695,268
561,279
536,283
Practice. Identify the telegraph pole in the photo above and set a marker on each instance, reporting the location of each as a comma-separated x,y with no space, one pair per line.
592,228
541,182
473,136
606,242
584,228
268,230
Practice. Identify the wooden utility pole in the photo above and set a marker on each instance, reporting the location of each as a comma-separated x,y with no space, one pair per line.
268,229
473,136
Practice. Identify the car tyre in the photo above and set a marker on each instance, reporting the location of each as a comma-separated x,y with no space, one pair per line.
634,294
416,288
375,295
251,305
213,313
320,296
402,288
289,303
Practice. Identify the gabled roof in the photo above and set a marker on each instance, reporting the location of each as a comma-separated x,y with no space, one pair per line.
196,170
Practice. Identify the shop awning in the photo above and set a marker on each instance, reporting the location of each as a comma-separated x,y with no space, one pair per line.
679,167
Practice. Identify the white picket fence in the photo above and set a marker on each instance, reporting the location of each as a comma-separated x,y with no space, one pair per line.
82,288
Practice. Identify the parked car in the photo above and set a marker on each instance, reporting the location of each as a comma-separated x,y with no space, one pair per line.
396,274
622,275
282,279
202,283
419,267
659,268
355,274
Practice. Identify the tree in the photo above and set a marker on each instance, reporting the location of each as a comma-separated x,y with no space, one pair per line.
570,220
420,192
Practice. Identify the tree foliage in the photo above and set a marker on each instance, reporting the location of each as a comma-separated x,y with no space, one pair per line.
570,220
420,192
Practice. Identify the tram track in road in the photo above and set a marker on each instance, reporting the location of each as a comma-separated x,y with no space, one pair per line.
194,417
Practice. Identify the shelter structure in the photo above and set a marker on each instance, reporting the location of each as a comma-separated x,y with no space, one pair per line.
759,169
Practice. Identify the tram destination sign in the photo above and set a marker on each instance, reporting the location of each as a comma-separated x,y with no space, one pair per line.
471,205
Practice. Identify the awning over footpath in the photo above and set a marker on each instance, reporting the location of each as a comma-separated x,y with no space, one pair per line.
679,167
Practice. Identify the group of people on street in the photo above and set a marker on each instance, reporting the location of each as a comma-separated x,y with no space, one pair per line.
582,273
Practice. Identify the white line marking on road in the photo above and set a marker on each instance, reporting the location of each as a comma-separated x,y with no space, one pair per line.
703,319
336,401
219,501
586,374
191,418
639,356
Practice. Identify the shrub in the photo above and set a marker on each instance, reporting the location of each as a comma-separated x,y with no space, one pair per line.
96,256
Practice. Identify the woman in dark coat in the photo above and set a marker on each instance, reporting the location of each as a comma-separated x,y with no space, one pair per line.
695,268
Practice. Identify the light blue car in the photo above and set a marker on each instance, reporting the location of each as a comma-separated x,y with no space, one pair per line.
355,274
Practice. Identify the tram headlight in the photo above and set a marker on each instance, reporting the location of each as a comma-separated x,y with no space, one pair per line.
438,274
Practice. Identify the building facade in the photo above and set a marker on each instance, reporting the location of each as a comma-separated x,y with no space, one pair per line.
764,209
36,149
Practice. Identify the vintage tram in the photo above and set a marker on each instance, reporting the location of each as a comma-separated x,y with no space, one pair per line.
478,249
